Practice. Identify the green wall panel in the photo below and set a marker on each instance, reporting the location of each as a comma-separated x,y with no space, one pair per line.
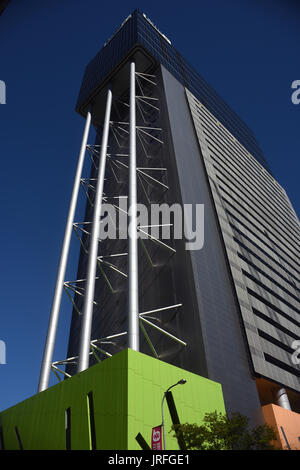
127,392
148,378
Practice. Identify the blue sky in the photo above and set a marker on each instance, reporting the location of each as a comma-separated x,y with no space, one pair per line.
247,50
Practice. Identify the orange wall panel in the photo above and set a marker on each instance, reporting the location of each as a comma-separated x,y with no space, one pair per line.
283,420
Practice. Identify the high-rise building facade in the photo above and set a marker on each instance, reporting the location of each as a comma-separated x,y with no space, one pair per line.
227,309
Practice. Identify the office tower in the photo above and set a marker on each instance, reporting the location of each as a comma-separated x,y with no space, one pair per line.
228,310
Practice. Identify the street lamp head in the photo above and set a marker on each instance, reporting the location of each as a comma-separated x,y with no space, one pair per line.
182,381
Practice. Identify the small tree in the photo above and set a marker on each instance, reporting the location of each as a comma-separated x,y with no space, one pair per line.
221,432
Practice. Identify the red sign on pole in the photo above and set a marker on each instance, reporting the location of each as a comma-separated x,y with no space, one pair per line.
156,439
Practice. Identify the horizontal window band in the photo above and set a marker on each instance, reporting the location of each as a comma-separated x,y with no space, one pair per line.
268,204
262,261
270,291
273,307
274,224
275,341
259,248
246,260
237,158
281,365
274,323
266,254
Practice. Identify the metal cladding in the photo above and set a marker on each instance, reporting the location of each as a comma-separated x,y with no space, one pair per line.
261,237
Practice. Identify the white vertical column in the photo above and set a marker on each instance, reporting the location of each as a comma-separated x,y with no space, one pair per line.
85,336
133,295
283,399
54,315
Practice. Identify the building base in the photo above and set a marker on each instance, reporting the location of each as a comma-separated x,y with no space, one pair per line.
108,405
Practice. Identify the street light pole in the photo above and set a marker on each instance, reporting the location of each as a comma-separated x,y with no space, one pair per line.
180,382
